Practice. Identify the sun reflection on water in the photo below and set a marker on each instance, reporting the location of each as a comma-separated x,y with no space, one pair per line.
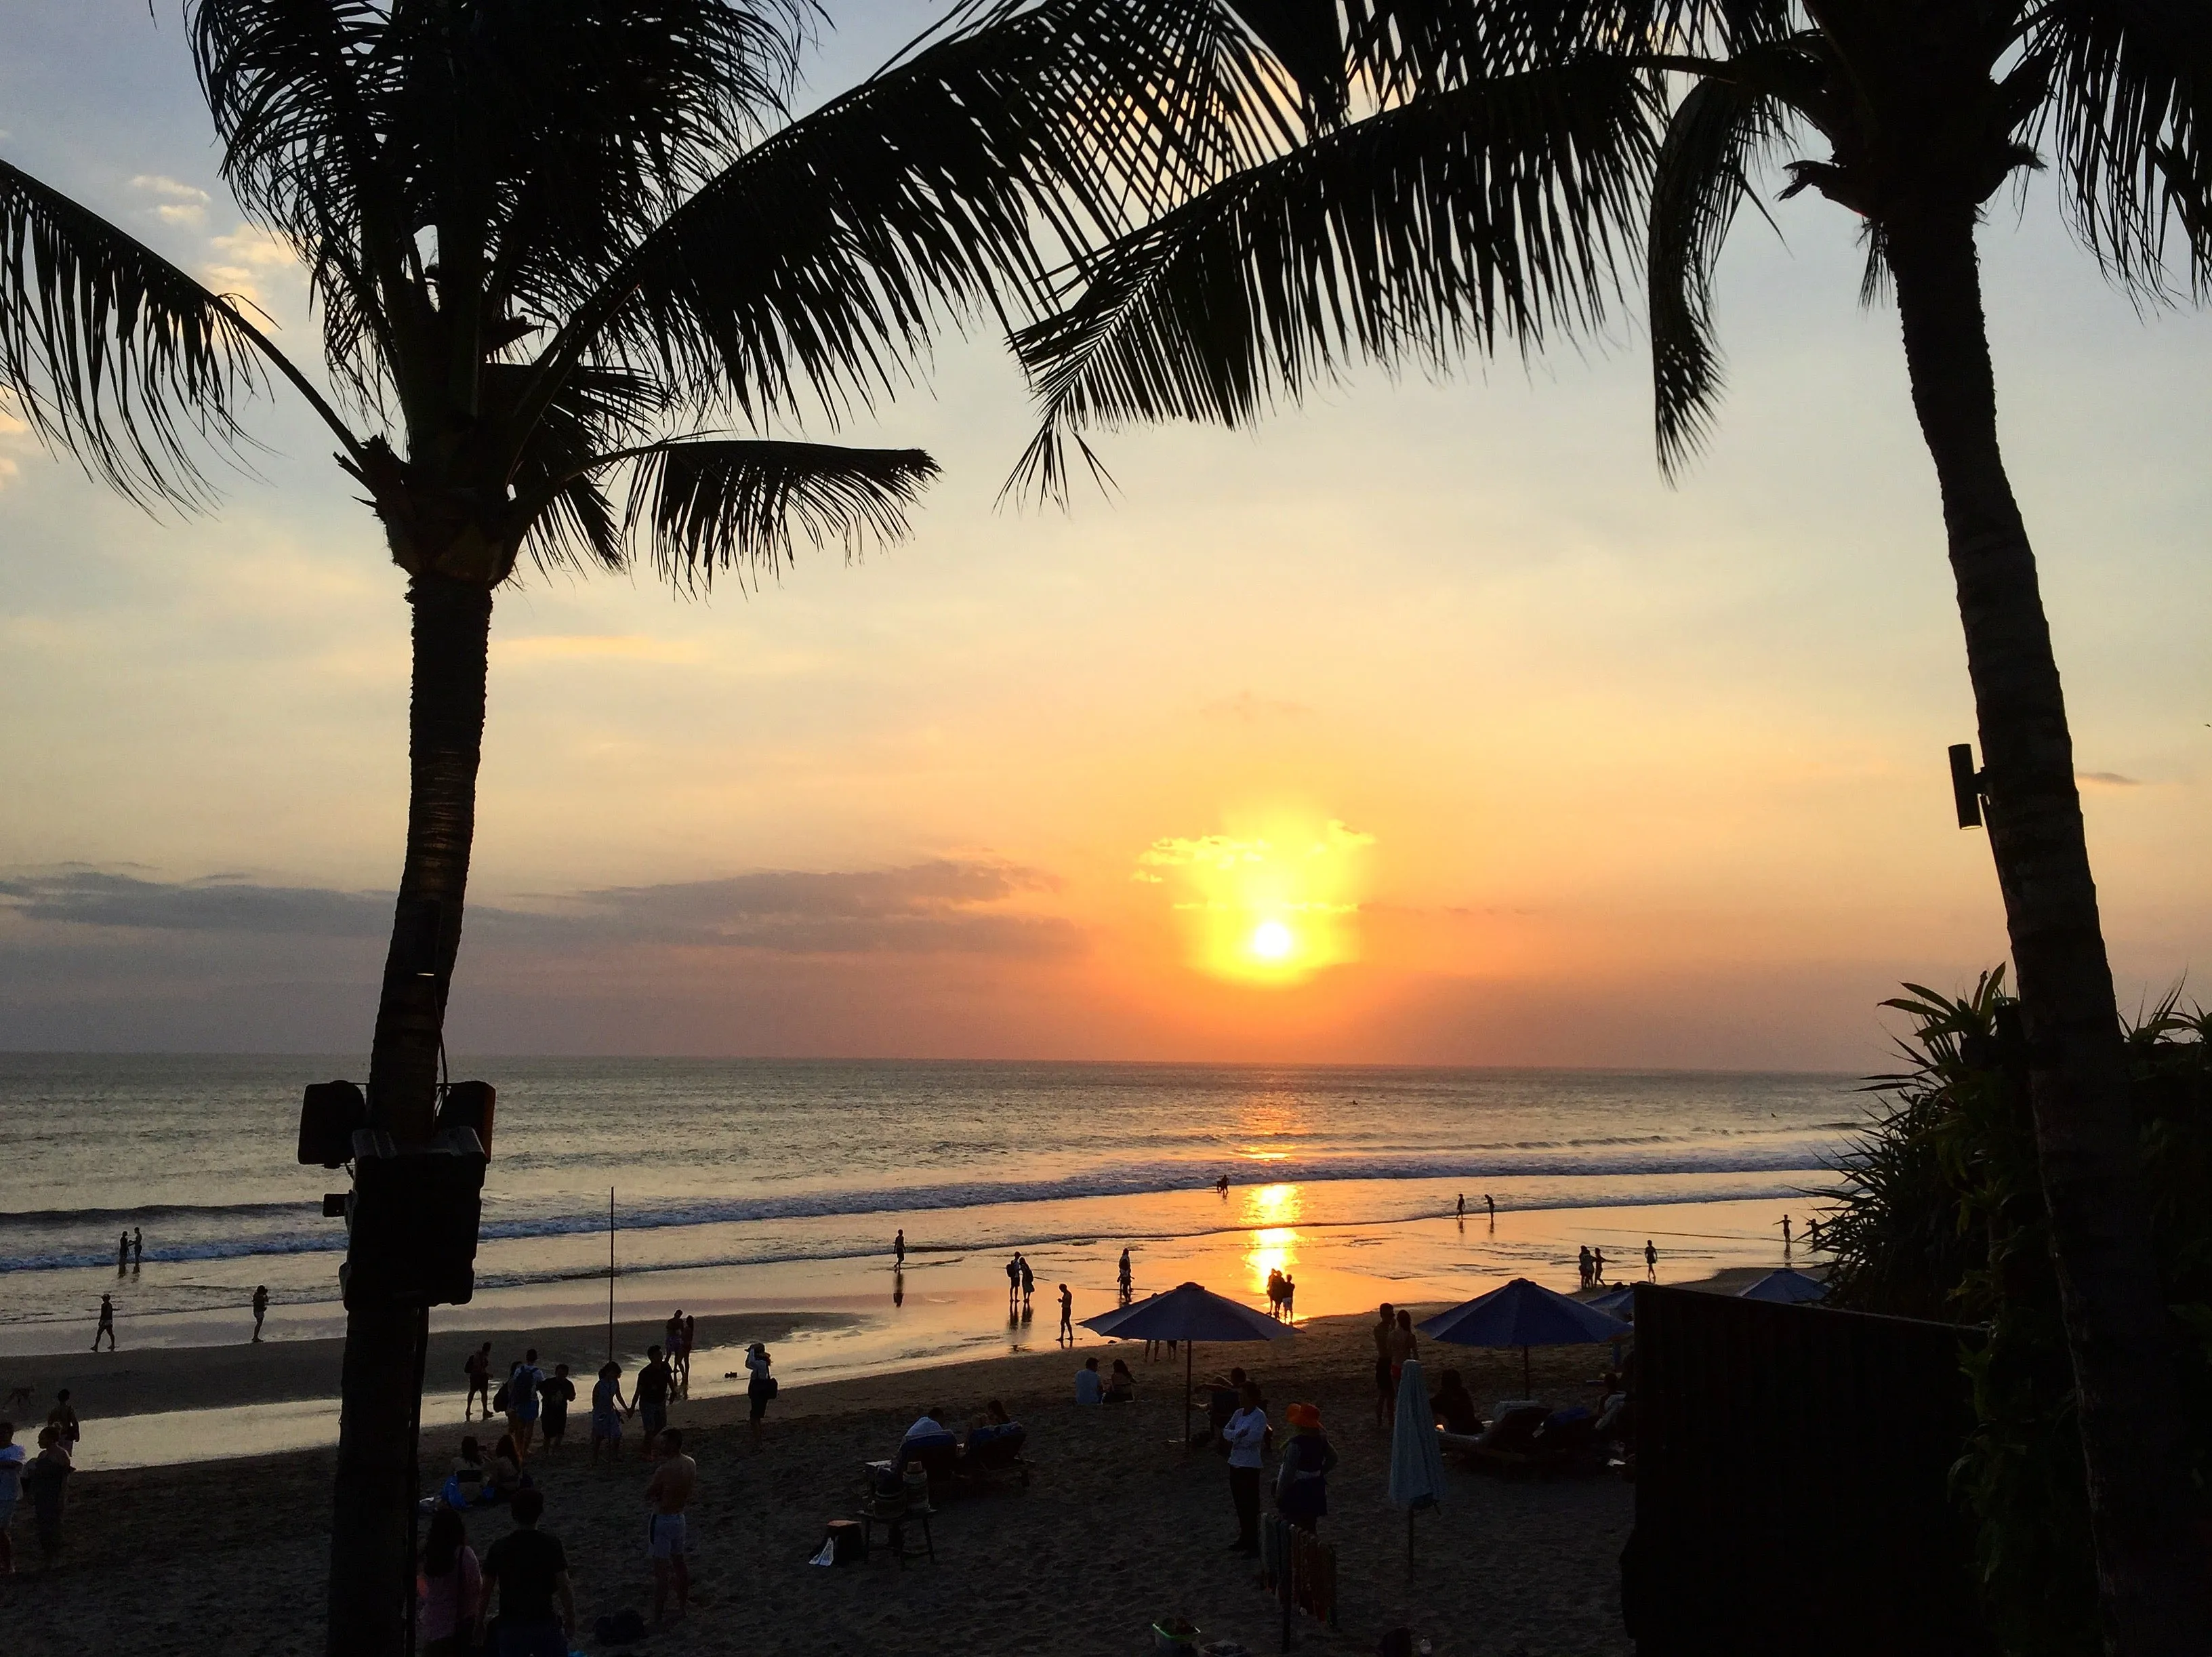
1272,1213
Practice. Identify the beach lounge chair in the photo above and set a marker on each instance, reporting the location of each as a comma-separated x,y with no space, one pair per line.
937,1455
993,1453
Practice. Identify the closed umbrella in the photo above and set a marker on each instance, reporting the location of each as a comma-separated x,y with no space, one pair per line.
1791,1288
1524,1315
1417,1465
1189,1313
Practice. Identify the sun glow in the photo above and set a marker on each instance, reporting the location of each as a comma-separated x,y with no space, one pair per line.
1269,905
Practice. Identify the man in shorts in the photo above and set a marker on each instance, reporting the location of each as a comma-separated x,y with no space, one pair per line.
478,1370
555,1394
608,1409
530,1570
654,1382
666,1494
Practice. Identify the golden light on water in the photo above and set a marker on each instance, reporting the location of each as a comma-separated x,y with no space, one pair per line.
1272,1213
1268,907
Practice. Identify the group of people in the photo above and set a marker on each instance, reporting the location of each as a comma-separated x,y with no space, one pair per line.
1238,1415
1592,1264
129,1250
526,1572
43,1478
1396,1346
1282,1296
1021,1282
1488,1202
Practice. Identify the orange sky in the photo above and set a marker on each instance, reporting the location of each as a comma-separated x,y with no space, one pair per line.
1637,775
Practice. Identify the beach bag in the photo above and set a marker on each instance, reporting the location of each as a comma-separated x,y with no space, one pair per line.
769,1387
502,1397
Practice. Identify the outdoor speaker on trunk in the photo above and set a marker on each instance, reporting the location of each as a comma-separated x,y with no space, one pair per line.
329,1114
412,1220
469,1105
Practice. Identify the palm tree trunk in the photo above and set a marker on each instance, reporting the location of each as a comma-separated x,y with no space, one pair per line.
371,1528
2118,1328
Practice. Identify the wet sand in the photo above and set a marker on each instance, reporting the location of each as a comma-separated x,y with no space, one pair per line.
1117,1528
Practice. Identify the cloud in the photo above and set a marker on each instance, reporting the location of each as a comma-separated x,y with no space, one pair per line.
178,203
943,906
2108,779
244,259
1205,851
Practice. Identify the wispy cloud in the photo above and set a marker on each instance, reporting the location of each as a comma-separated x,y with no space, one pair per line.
2108,779
245,260
175,202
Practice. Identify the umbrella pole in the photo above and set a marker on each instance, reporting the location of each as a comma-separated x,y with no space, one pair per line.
1409,1541
1189,1356
1528,1387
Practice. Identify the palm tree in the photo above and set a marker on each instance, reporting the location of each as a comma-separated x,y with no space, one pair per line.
1485,197
557,247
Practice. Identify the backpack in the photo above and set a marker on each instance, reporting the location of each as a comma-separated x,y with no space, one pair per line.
501,1399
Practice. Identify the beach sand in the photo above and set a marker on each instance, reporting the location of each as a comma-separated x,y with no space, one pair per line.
1117,1528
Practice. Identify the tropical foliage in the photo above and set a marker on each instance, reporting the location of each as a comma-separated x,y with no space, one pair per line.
1941,1216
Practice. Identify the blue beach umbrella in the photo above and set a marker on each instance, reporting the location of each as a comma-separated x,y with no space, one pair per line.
1615,1303
1189,1314
1789,1286
1524,1315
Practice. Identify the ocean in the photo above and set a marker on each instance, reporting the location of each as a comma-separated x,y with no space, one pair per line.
775,1173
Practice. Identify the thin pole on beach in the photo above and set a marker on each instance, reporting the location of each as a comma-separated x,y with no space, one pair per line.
611,1274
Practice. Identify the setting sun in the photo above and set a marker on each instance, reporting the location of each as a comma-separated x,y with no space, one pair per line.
1270,903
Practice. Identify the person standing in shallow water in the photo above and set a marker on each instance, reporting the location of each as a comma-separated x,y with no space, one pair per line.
1650,1262
107,1323
1067,1315
122,1253
260,1308
137,1247
898,1250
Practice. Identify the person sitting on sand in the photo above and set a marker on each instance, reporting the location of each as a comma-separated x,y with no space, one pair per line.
1453,1406
1301,1488
1089,1389
666,1494
504,1477
528,1570
448,1588
1120,1386
608,1409
468,1474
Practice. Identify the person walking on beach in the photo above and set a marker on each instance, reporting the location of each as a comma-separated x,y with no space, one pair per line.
666,1494
449,1589
477,1369
11,1485
524,1399
1247,1435
1067,1315
1221,1185
555,1394
654,1382
608,1409
1301,1488
107,1324
529,1572
137,1247
260,1308
1786,1234
1386,1393
898,1250
1461,1209
1127,1276
1650,1262
1597,1266
760,1387
1028,1285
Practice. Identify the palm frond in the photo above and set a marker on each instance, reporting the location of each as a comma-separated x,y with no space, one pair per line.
1501,209
2130,102
818,264
112,352
1702,175
570,523
708,505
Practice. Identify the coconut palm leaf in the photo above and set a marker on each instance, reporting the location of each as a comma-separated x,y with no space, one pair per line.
1715,137
112,352
707,505
1500,208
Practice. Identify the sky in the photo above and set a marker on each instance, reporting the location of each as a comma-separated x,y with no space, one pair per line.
1425,723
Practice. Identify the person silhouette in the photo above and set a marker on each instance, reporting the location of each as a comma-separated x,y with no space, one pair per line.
122,1253
1786,1234
1067,1315
1491,1203
107,1324
1650,1262
260,1308
1028,1284
137,1247
1460,1208
898,1250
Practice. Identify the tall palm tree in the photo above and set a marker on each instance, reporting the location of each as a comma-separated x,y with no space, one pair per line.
559,249
1485,197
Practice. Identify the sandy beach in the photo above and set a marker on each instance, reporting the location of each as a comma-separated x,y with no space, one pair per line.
1117,1528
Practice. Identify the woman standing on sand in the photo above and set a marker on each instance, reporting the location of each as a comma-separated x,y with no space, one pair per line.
448,1590
1302,1485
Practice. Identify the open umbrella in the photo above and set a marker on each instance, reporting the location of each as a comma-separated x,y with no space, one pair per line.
1615,1303
1791,1288
1417,1465
1524,1315
1189,1313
